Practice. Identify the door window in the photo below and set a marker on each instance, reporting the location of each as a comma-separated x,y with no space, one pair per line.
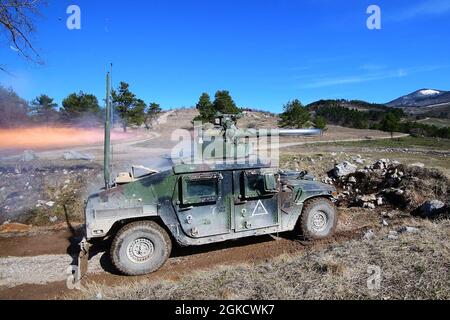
254,184
258,184
199,190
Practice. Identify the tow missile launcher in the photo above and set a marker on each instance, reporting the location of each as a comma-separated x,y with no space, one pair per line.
225,141
217,195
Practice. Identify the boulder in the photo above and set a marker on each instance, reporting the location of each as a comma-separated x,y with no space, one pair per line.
393,235
50,204
379,201
369,205
367,198
418,164
29,155
408,230
344,169
431,208
380,164
369,235
75,155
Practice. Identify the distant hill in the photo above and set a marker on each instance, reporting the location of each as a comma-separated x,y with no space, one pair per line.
348,104
422,98
352,113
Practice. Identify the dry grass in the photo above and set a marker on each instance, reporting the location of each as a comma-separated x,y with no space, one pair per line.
26,188
69,203
414,266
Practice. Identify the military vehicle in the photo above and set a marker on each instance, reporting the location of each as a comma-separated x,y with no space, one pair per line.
203,202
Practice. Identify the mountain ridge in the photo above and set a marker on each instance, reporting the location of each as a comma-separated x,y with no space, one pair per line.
421,98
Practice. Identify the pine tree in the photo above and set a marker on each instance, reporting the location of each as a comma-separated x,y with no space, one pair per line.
224,103
78,105
320,123
151,114
390,123
137,113
205,108
43,108
129,108
294,115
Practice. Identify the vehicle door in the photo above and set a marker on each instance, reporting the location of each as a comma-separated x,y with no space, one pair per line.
201,205
256,199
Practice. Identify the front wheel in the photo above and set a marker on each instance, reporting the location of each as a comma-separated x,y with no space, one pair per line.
319,219
140,247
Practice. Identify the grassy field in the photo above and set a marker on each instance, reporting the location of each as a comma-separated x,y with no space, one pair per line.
318,159
411,266
436,121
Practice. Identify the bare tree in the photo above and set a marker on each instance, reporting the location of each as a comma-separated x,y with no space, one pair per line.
13,109
16,24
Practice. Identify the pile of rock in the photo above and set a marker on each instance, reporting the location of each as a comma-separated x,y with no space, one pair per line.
387,182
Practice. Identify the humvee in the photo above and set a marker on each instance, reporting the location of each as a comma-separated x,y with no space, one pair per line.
202,203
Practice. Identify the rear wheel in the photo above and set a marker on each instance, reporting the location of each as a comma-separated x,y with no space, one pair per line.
140,247
318,219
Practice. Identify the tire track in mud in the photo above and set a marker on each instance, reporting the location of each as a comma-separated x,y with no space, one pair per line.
182,262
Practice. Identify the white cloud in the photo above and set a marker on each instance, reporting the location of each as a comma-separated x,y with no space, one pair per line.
370,76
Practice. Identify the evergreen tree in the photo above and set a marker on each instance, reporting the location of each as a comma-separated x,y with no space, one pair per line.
320,123
205,108
129,108
390,123
78,105
151,114
294,115
224,103
43,108
137,113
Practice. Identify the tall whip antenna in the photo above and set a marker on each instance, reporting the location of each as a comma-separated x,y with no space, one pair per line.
107,146
112,117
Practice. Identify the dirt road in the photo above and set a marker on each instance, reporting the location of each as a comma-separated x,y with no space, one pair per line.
35,267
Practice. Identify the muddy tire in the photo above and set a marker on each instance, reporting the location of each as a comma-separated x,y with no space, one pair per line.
140,248
318,219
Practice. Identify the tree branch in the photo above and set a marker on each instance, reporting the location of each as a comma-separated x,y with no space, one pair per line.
16,23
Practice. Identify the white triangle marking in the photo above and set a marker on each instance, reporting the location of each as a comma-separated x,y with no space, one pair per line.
259,210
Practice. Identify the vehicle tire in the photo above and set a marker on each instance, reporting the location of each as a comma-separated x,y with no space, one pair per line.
318,219
140,248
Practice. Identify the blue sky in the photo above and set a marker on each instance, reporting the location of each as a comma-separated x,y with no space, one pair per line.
264,52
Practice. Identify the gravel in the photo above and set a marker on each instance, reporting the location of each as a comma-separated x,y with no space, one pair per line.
43,269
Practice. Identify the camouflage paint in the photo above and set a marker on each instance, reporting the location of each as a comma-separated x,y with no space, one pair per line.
231,214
